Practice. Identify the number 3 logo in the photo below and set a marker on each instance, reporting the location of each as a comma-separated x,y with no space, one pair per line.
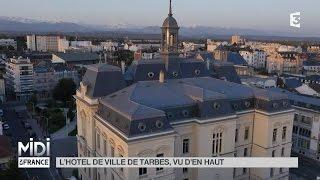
295,19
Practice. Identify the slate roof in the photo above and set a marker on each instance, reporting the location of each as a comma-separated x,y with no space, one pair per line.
48,66
144,70
314,78
170,22
103,79
311,78
148,103
292,83
311,63
236,59
40,69
78,56
225,70
206,56
300,100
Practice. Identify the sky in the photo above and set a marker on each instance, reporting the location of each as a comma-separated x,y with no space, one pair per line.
248,14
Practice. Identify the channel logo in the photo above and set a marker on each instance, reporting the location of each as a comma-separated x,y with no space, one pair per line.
295,19
39,154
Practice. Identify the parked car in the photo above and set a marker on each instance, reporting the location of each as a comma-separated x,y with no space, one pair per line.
5,126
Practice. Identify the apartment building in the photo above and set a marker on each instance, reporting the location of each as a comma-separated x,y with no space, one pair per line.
146,54
311,67
236,39
306,125
255,59
109,45
2,90
46,78
284,62
47,43
19,78
44,81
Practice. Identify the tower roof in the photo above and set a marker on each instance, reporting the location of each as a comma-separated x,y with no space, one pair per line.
170,21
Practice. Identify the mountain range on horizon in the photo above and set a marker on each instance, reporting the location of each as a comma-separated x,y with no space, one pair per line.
24,25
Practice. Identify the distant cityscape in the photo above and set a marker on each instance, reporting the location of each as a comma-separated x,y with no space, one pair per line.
161,97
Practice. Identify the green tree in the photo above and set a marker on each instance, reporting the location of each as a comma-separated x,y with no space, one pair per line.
33,99
64,90
56,120
124,55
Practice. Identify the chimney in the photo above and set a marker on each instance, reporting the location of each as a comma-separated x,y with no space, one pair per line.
100,58
105,57
208,65
123,67
161,77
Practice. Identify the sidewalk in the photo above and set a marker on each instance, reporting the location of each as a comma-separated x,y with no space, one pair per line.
63,132
60,134
36,127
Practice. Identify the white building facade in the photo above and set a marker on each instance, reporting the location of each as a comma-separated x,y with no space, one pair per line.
19,78
46,43
256,59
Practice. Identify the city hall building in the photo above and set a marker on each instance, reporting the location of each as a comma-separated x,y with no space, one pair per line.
174,107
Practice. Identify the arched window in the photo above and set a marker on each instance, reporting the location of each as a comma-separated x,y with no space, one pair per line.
150,75
105,144
112,146
83,124
98,140
171,40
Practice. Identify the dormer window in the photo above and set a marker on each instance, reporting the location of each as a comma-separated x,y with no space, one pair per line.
185,113
169,115
285,104
247,104
150,75
142,127
235,106
159,124
197,72
216,106
175,74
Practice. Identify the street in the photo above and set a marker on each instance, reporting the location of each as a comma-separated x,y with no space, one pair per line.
308,169
19,134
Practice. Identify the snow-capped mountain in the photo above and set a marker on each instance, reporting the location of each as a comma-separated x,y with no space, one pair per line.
18,24
24,25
